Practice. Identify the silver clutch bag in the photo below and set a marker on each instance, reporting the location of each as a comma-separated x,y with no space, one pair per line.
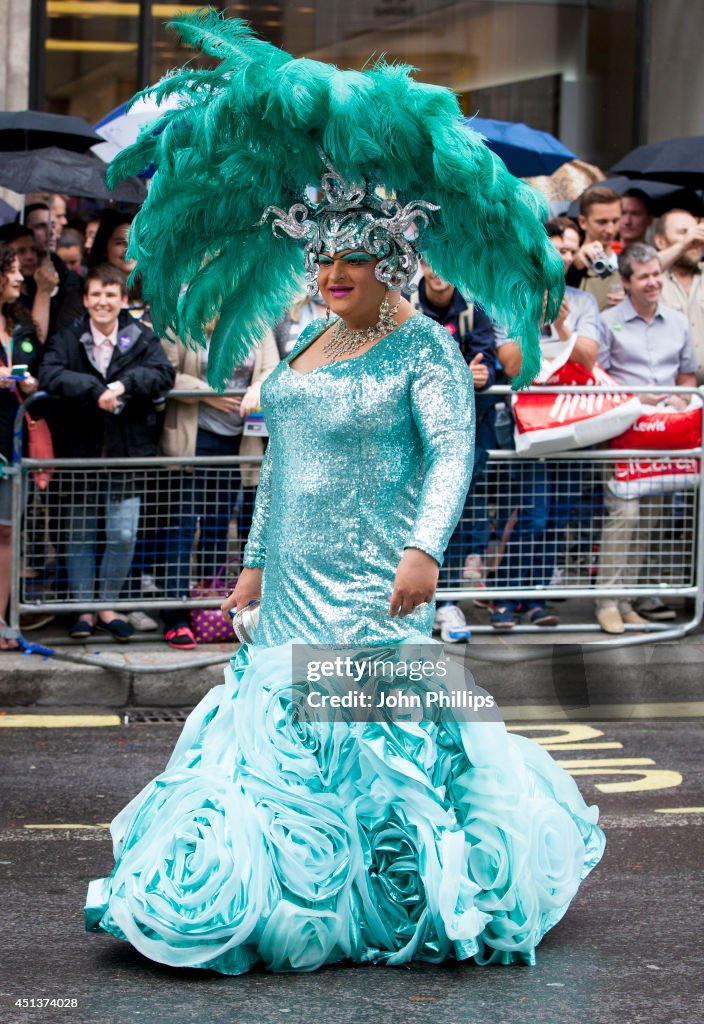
245,622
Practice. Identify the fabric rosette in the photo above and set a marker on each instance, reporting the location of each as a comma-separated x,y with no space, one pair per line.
560,788
397,923
277,738
494,804
498,862
301,938
526,851
416,898
194,881
309,838
556,859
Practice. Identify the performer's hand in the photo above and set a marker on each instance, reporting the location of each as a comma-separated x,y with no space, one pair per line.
415,583
248,588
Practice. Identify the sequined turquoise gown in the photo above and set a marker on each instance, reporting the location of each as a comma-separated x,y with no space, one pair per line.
290,844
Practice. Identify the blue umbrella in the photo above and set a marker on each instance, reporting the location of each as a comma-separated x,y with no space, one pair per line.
526,151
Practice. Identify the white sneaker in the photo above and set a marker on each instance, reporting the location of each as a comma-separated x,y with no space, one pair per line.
142,622
451,624
473,571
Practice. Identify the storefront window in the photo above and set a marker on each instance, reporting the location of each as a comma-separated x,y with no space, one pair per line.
166,51
91,55
565,66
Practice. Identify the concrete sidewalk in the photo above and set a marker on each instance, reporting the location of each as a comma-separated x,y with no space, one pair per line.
568,669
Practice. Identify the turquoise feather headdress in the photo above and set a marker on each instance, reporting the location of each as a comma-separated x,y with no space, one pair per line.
247,136
353,215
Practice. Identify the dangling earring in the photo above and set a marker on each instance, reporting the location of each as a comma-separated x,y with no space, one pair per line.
327,314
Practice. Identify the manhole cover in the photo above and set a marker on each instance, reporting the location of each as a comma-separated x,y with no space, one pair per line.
156,716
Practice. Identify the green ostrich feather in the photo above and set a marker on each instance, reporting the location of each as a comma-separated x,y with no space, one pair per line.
247,135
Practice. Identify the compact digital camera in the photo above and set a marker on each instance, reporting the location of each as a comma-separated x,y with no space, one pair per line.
603,265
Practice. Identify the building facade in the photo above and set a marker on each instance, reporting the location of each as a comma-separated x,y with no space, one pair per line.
603,75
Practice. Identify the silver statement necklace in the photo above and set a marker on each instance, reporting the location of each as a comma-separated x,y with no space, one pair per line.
344,341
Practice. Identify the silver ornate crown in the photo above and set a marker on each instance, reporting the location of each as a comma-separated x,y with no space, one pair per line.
353,215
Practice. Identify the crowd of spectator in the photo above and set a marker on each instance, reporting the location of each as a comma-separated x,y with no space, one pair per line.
70,325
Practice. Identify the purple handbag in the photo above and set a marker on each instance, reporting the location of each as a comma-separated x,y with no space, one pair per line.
210,625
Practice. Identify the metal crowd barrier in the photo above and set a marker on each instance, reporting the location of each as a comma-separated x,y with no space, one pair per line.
169,532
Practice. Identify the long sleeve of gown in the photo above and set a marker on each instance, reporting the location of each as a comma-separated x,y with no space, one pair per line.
442,400
255,549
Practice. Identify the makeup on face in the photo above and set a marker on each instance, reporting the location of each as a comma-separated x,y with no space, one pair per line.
356,258
351,259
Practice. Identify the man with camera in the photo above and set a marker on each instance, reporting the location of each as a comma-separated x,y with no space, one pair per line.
595,267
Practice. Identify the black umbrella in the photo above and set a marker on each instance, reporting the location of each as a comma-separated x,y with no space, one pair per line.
661,196
33,129
58,170
678,161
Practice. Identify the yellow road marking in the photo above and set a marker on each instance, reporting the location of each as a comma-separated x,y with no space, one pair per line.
570,733
66,826
574,736
577,746
679,810
647,779
57,721
604,762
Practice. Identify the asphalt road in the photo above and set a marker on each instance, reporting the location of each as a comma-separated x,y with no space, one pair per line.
628,950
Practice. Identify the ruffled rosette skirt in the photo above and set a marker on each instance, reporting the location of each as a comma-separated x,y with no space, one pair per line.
271,840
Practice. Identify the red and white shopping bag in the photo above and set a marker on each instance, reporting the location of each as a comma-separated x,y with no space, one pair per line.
639,478
559,423
666,429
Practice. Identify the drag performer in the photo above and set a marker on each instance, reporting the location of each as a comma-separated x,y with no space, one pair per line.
271,838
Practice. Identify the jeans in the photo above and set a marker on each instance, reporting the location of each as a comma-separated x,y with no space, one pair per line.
528,551
209,495
471,535
121,524
539,501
